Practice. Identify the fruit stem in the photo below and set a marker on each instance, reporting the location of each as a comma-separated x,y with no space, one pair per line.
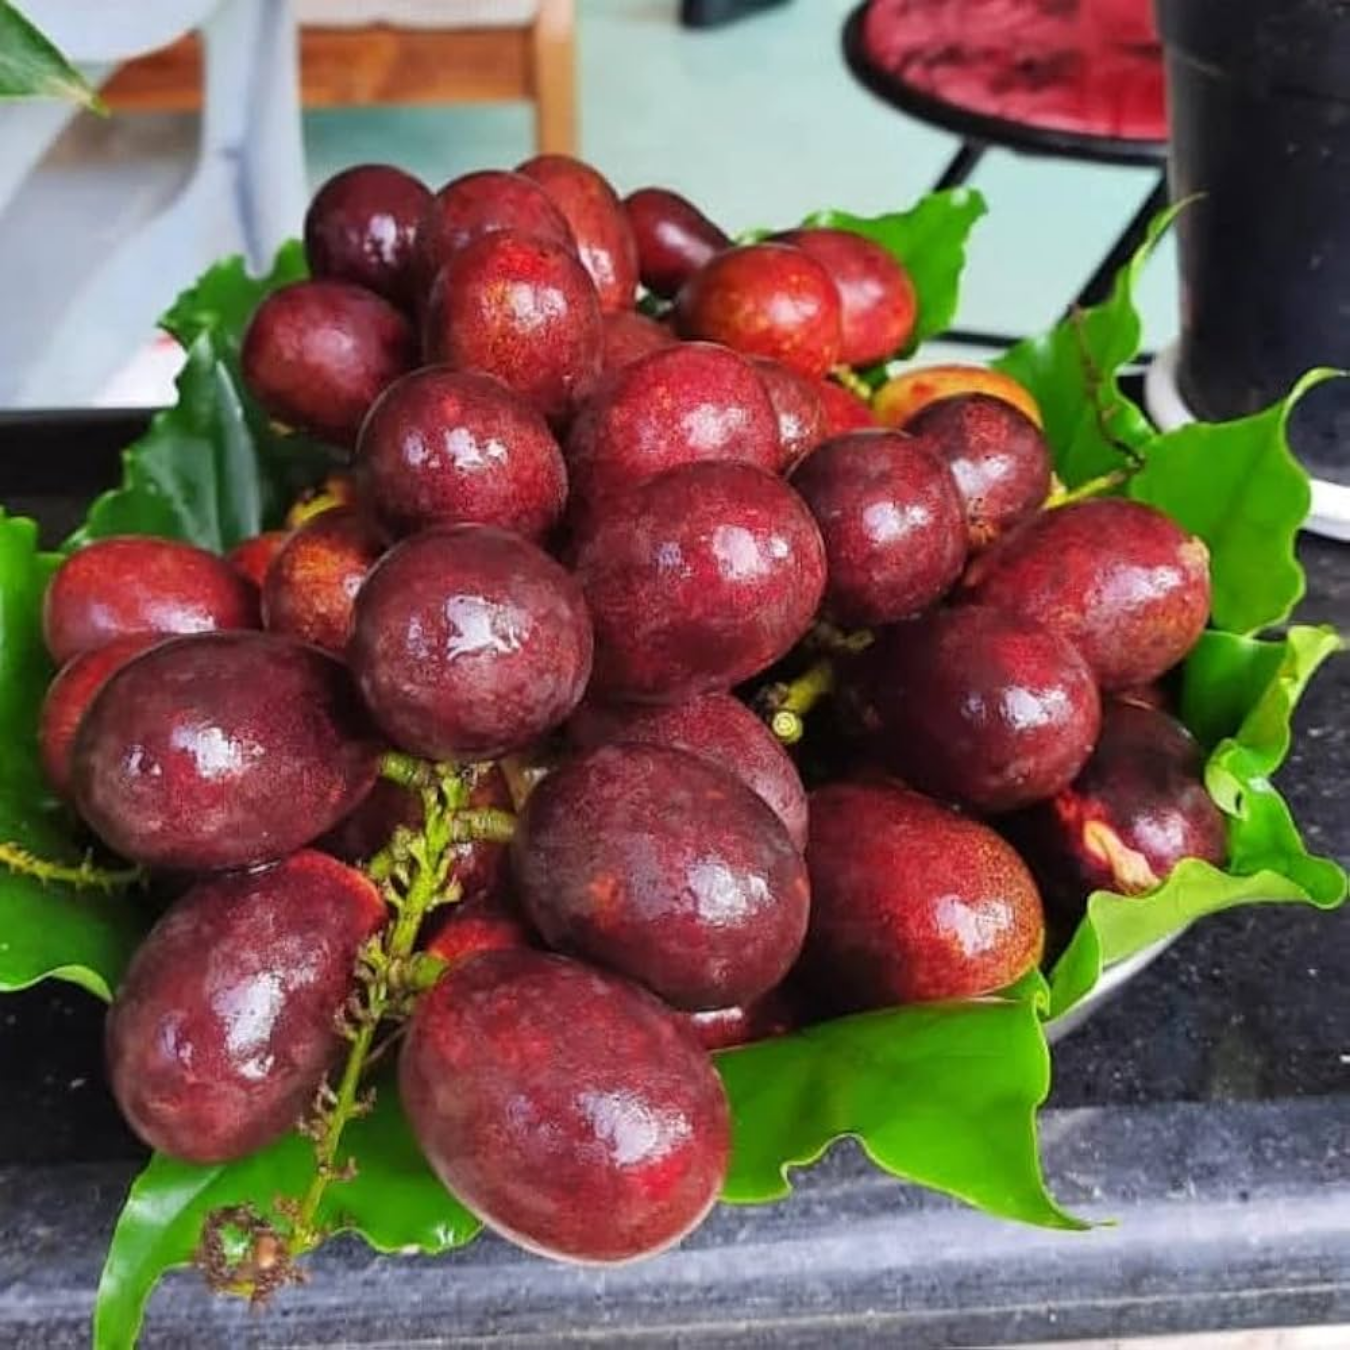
486,823
383,966
83,876
853,382
786,705
1094,487
407,771
825,637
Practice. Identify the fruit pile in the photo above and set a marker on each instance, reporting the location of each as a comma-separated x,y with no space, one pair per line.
482,761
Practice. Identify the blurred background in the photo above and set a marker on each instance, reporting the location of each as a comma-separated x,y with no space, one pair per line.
747,106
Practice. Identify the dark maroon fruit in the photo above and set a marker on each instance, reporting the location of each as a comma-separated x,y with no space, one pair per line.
478,867
797,406
685,404
566,1108
362,226
486,922
310,589
715,727
1137,809
725,1028
69,696
317,354
222,750
226,1021
253,557
469,642
674,238
630,336
604,238
893,524
655,863
997,454
458,447
912,901
698,579
878,305
765,300
137,584
485,202
521,309
1120,580
844,411
983,708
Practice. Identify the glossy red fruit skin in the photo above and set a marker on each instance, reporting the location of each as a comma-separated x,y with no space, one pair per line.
765,300
69,696
844,411
686,404
487,922
604,238
797,406
222,750
253,557
998,456
913,902
654,863
317,354
137,584
455,447
310,590
478,867
1137,809
484,202
566,1108
674,238
750,579
361,227
225,1023
983,708
469,643
878,305
893,523
1123,582
630,336
725,1028
716,727
545,343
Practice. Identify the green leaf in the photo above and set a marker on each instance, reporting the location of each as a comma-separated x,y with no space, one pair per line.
1239,695
32,67
211,469
1238,486
1073,372
930,240
945,1096
45,930
395,1203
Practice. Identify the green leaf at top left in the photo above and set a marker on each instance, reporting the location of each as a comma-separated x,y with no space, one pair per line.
45,930
32,67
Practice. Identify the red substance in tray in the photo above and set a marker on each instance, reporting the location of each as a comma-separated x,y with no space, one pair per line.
1086,66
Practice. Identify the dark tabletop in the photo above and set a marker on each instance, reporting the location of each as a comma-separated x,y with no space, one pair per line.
1206,1109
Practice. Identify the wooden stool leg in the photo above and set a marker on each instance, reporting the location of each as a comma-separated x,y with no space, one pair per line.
554,77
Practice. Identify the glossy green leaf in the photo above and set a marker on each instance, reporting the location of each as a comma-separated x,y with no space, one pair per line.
395,1203
930,239
32,67
211,469
1238,487
1073,372
45,930
942,1095
1239,694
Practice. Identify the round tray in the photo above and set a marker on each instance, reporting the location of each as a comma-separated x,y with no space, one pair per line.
1114,979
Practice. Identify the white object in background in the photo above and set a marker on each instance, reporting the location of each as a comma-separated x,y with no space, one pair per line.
246,195
443,14
1330,513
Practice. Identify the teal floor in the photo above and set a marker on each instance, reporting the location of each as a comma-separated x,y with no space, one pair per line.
760,122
